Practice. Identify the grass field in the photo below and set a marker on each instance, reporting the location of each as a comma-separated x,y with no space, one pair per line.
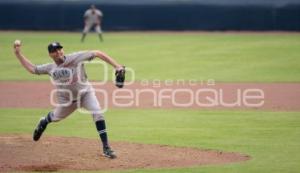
224,57
272,139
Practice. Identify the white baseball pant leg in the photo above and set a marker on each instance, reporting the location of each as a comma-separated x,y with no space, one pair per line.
98,29
62,112
90,102
87,28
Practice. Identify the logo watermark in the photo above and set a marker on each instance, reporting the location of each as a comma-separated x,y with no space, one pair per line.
73,88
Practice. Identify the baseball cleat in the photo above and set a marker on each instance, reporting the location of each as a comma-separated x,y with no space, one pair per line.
38,131
109,153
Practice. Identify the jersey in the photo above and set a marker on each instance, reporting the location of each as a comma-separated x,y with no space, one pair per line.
92,18
69,77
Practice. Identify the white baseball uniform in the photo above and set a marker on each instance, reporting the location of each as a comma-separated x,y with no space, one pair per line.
92,19
73,88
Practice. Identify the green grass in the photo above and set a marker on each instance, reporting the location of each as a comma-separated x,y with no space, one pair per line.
229,57
272,139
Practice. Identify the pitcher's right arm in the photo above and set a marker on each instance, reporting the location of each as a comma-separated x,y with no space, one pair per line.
23,60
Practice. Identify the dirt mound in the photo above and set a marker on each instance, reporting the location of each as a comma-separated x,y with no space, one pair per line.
20,153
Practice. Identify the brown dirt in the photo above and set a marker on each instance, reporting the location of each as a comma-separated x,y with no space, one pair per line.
277,96
20,153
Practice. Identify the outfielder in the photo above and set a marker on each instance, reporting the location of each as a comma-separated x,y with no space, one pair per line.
73,89
92,18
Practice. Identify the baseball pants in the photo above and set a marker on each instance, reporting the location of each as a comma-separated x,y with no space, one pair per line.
87,100
88,27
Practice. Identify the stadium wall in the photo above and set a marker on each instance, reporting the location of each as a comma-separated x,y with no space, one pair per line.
69,16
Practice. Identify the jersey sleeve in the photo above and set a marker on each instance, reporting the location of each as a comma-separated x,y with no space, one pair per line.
42,69
99,13
86,14
78,57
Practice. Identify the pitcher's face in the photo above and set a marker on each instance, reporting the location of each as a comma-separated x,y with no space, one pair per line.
57,54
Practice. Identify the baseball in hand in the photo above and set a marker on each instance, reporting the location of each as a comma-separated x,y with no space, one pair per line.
17,43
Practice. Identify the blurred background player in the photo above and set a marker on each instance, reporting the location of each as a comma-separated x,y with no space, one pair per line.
92,18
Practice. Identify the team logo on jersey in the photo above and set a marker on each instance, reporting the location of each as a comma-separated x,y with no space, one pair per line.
63,75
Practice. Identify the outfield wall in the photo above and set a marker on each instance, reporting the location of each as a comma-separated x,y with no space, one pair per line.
66,15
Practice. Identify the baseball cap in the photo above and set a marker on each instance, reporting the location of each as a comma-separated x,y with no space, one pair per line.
53,46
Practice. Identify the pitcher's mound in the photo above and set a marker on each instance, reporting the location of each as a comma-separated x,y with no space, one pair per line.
20,153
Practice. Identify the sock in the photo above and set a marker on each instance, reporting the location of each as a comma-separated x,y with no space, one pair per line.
46,121
101,128
48,117
83,36
100,37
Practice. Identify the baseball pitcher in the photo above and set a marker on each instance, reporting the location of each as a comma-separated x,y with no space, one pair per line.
68,74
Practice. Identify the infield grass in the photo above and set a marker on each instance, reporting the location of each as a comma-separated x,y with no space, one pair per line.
272,139
230,57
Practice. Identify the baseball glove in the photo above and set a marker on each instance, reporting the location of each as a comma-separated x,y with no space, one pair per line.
120,77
